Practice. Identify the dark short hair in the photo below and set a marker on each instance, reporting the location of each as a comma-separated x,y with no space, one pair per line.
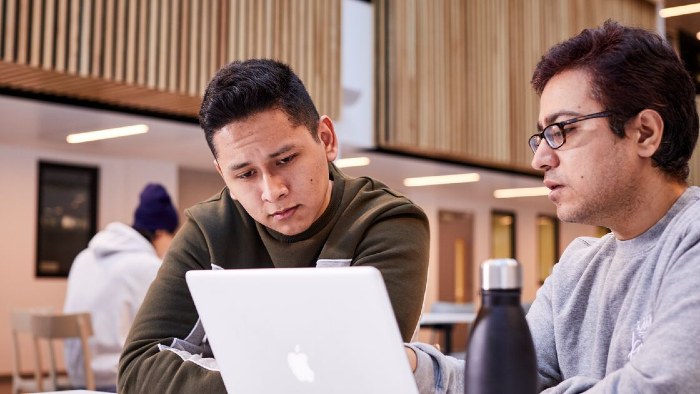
632,69
244,88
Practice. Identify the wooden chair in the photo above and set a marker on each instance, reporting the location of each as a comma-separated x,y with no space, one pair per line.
51,327
48,327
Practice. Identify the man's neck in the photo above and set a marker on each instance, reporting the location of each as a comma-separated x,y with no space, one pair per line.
655,198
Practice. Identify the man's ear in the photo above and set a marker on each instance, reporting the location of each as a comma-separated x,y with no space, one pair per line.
326,133
648,129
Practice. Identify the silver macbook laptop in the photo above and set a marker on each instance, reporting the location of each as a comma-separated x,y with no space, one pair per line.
302,330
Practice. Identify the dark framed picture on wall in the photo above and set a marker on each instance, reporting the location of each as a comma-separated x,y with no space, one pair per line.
66,215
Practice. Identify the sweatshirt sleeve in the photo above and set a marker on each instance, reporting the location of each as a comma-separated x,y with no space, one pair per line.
398,244
149,361
541,322
435,372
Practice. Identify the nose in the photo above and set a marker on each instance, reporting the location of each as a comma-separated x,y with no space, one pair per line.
274,188
545,157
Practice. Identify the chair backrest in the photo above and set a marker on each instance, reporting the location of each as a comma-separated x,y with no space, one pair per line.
21,323
61,326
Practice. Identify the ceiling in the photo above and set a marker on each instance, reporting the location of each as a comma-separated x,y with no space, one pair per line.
41,124
690,23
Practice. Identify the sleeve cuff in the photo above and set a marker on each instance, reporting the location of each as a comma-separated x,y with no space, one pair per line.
425,370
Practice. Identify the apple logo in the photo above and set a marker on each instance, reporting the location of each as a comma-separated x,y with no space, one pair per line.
299,364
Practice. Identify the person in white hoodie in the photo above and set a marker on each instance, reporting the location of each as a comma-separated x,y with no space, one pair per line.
109,280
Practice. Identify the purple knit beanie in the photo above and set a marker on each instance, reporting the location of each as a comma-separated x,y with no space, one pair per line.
155,210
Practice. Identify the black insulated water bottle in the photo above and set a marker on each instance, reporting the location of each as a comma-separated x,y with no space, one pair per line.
500,355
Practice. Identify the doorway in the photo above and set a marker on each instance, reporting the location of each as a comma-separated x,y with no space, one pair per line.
455,234
456,269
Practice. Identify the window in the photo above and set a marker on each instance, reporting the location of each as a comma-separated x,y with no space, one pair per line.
502,234
547,245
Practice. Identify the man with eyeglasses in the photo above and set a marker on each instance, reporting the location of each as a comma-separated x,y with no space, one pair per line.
619,314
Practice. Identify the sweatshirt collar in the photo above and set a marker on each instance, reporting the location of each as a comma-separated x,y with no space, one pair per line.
646,240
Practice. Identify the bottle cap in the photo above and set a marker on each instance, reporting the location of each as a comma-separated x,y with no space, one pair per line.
501,274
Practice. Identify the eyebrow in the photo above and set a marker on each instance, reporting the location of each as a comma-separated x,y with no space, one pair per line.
284,149
550,119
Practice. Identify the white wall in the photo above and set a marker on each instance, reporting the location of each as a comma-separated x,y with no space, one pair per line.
121,181
355,125
196,186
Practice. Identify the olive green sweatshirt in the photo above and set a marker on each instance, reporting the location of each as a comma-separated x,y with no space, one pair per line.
366,223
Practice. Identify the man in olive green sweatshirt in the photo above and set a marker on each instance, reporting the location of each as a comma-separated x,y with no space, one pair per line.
285,205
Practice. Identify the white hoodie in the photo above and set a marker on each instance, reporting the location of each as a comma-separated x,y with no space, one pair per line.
109,280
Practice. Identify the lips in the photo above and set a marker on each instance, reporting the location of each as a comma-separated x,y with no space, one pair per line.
554,188
283,214
551,185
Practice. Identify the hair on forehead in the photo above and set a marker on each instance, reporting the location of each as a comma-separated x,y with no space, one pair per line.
245,88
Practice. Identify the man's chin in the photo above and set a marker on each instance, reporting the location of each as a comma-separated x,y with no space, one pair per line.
289,230
572,215
565,215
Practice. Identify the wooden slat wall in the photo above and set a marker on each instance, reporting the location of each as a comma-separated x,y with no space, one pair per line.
158,55
453,75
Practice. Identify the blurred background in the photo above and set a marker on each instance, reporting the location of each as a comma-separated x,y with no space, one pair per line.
416,89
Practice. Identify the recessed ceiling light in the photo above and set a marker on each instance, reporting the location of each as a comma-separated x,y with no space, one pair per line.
88,136
680,10
521,192
352,162
441,179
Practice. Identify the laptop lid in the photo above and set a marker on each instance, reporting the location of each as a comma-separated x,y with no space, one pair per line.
302,330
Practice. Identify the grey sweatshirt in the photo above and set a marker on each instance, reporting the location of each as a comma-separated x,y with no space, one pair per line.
616,316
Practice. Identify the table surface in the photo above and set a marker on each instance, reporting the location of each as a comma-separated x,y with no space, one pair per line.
444,321
447,318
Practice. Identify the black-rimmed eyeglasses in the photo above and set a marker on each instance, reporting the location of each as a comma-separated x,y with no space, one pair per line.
555,134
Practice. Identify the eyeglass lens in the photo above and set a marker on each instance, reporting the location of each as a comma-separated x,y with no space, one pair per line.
552,134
